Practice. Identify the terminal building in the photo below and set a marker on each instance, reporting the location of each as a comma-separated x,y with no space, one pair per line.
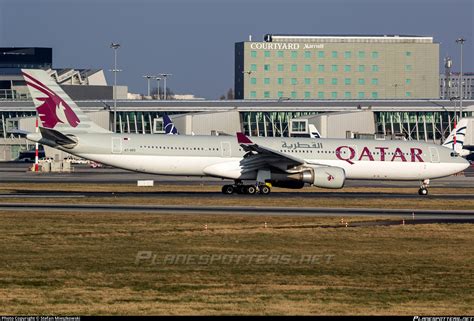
80,84
449,86
337,67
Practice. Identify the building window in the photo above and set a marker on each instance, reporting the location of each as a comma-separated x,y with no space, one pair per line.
253,81
361,81
408,67
375,81
253,54
347,81
334,54
266,53
307,68
280,81
294,68
408,94
280,94
266,67
253,94
334,81
320,94
334,68
294,54
408,81
334,95
347,54
280,54
347,68
347,95
320,67
375,95
320,54
361,95
307,54
307,81
266,81
294,81
361,68
375,54
375,68
361,54
320,81
280,67
266,94
253,67
408,53
307,95
293,95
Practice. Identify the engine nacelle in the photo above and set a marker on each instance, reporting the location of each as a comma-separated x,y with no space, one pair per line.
326,177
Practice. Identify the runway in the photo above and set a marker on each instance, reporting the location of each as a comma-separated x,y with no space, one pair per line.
244,210
276,195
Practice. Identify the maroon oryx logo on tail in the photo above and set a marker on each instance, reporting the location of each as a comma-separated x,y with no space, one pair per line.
54,109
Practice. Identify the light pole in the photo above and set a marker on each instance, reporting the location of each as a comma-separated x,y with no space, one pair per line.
164,76
148,77
461,91
115,46
158,88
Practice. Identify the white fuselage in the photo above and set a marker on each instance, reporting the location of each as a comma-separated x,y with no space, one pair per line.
222,156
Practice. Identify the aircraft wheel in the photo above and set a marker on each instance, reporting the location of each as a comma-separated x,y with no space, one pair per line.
240,189
423,191
264,189
250,189
227,189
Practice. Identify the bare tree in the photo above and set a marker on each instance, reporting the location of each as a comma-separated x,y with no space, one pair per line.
230,94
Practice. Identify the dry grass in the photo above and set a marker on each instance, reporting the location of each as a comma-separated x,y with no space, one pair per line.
84,263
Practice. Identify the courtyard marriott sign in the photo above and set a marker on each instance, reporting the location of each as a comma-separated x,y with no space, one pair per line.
285,46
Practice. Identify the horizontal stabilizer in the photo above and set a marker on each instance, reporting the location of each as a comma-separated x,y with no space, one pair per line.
67,141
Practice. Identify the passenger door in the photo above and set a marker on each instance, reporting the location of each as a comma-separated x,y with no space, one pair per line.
116,145
434,154
225,149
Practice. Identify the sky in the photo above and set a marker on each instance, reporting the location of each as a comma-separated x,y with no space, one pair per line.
194,39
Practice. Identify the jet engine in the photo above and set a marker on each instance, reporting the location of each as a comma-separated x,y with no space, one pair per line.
325,177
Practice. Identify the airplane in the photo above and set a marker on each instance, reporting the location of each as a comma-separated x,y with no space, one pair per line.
313,132
455,140
168,126
266,162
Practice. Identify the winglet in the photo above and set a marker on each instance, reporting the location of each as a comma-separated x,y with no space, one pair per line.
242,139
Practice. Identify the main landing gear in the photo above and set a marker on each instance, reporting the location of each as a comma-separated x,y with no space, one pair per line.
240,188
424,187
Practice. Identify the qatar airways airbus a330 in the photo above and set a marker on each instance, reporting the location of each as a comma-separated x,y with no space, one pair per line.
255,164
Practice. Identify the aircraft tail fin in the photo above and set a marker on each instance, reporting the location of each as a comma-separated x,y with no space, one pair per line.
56,110
455,140
168,125
313,131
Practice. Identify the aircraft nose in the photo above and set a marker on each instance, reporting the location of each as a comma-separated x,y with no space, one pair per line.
465,164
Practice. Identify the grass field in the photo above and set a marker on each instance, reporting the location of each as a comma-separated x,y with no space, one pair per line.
86,263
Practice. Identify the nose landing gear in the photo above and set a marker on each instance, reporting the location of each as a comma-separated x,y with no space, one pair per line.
424,187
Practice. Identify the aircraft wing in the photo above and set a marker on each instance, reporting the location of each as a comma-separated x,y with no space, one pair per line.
260,156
